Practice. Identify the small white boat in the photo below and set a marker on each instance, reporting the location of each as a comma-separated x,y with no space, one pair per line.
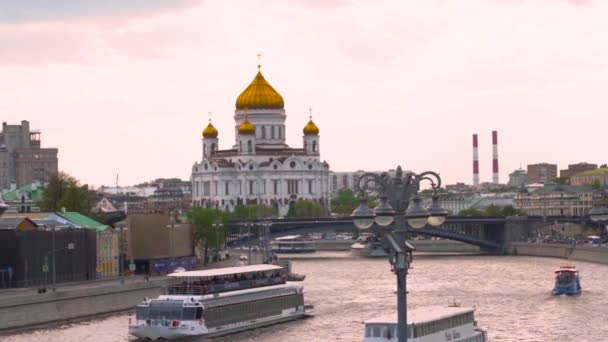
368,246
292,244
428,324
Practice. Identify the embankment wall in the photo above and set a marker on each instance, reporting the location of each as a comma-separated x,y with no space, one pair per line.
23,311
582,253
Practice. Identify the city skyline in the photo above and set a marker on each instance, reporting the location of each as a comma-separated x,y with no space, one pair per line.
126,88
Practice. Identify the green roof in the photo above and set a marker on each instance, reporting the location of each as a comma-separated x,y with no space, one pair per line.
83,221
34,195
600,171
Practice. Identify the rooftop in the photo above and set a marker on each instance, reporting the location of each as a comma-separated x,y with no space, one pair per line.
601,171
227,271
422,315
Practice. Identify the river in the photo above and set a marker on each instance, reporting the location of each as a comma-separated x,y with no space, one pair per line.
512,296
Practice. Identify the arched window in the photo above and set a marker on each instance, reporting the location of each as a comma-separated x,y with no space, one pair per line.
241,146
272,132
314,146
263,132
249,146
212,147
205,149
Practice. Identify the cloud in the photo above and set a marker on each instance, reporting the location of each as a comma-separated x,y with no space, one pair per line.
36,10
71,32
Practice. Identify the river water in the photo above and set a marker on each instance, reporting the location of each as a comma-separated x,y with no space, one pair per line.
512,296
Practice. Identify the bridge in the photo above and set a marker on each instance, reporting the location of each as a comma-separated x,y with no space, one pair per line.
491,234
485,232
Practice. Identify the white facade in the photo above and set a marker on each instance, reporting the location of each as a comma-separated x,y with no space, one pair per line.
260,167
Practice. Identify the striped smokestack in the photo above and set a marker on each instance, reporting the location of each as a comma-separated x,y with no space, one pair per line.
475,161
495,157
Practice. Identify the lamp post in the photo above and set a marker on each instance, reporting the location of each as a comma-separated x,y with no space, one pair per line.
396,193
217,226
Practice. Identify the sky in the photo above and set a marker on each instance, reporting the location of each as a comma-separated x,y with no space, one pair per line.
125,87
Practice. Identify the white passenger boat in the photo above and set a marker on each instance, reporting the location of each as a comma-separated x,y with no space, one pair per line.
367,246
292,244
428,324
221,301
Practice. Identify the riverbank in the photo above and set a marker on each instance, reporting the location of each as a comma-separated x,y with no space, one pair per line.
579,253
27,308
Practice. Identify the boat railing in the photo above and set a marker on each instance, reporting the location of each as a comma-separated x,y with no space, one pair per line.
199,290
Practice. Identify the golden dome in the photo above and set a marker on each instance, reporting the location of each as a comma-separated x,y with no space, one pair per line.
259,95
311,128
210,131
246,128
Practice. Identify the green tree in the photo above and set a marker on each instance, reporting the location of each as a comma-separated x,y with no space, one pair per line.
65,191
254,211
204,232
470,212
305,209
492,210
512,211
344,202
596,185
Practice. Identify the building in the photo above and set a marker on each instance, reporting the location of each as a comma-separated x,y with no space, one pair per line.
458,187
24,199
260,168
576,168
541,173
556,200
454,203
518,178
159,243
350,180
22,159
590,177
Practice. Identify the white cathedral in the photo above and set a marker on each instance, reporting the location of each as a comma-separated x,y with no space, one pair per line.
260,167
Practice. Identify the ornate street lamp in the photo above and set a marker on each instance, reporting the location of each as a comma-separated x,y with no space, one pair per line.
394,206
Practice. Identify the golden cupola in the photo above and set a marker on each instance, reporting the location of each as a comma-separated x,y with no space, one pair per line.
259,95
311,128
246,128
210,131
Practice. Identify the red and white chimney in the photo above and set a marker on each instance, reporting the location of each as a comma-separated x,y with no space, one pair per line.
475,161
494,157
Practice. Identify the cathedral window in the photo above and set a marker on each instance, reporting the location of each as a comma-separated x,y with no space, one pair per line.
292,164
280,132
272,132
249,146
241,146
212,147
251,187
275,186
314,146
263,132
292,187
310,186
226,188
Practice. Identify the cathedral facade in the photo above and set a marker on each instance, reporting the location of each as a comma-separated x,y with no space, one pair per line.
260,168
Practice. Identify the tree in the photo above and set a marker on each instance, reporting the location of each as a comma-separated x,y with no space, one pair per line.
596,185
492,210
255,211
305,209
470,212
204,232
512,211
344,202
65,191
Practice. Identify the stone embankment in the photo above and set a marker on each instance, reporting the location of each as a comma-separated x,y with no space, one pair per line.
26,308
447,246
580,253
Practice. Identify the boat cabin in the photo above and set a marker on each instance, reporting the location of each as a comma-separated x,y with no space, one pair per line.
428,324
225,279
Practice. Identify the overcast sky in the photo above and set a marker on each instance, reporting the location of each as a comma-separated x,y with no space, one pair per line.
125,86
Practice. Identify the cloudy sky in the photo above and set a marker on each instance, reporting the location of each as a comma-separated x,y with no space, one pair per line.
125,86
